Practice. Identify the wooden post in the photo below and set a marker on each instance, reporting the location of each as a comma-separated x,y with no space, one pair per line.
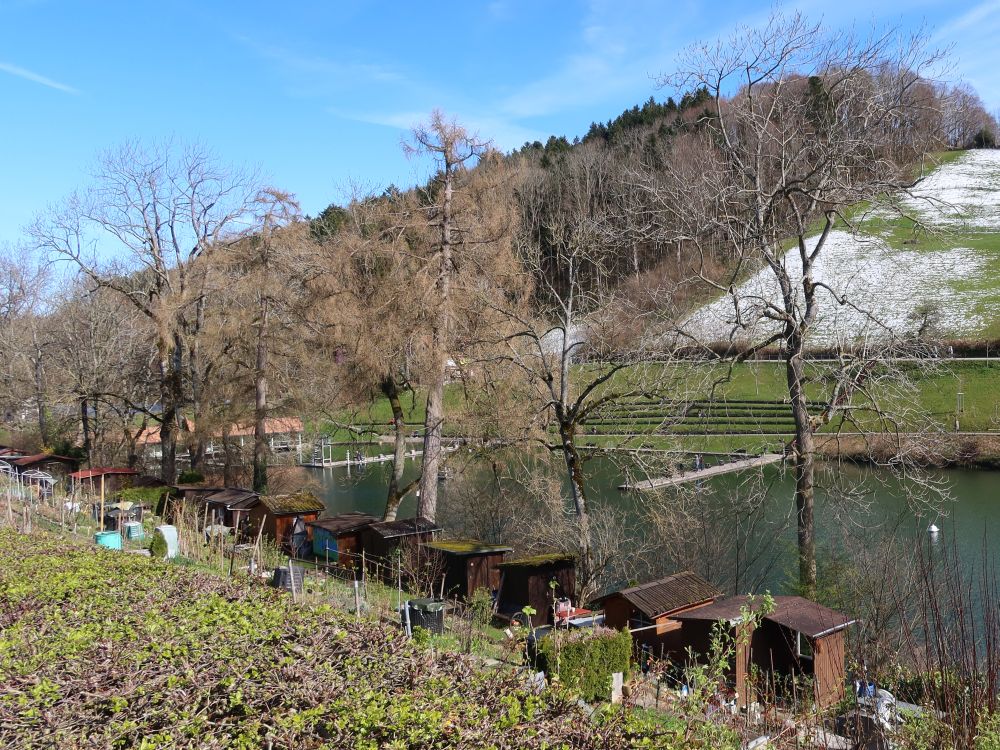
291,578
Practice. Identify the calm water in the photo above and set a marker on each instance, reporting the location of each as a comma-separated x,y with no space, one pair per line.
851,501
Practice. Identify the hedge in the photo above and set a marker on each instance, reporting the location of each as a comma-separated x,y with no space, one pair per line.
586,659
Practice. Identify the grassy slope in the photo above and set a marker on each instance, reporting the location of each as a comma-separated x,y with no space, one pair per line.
101,649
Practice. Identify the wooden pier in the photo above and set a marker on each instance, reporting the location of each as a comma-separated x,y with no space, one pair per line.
706,473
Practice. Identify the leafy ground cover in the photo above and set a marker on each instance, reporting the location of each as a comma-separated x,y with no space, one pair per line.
103,649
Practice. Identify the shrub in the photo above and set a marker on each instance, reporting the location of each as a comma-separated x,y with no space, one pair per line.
144,495
158,546
586,659
190,476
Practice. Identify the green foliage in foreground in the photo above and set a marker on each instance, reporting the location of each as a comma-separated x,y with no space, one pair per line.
584,659
105,649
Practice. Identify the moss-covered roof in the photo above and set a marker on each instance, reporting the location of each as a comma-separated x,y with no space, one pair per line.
537,561
299,502
468,547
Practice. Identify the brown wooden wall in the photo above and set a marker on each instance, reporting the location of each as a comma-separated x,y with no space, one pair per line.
466,573
828,669
530,586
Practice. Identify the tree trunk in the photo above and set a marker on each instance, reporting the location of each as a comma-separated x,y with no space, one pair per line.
395,495
85,428
434,419
260,450
194,370
574,470
805,467
168,415
39,373
228,475
431,464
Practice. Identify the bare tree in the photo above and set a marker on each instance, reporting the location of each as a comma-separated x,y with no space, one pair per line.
165,207
574,339
816,123
453,149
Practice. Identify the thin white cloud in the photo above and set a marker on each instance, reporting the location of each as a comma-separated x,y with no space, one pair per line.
29,75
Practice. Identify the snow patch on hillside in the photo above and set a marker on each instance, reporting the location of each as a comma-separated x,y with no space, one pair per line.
964,193
883,289
883,286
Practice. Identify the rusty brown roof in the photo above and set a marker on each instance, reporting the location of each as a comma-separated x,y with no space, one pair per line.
668,594
793,612
809,618
404,527
345,523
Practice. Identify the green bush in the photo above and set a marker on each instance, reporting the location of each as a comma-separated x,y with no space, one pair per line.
143,495
585,659
158,546
190,476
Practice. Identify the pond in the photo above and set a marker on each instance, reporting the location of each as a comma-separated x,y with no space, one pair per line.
851,500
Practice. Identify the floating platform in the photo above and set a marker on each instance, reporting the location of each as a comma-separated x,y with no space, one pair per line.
706,473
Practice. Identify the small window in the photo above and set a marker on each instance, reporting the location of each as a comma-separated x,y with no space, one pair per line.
639,620
803,647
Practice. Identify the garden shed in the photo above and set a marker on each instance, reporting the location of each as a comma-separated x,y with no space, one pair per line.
230,506
799,637
380,540
106,479
285,519
646,609
337,538
525,582
469,565
59,467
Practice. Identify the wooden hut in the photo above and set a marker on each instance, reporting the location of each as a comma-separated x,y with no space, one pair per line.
337,538
59,467
647,609
103,479
230,507
284,519
525,582
798,637
381,540
469,565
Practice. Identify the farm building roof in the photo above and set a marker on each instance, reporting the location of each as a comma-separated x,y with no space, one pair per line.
272,426
101,471
298,502
793,612
231,495
468,547
404,527
668,594
538,561
345,522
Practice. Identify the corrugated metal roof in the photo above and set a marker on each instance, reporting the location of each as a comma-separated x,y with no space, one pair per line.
404,527
231,495
669,594
300,502
793,612
101,471
41,458
345,522
809,618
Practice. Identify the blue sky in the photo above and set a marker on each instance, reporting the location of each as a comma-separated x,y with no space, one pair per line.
319,94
